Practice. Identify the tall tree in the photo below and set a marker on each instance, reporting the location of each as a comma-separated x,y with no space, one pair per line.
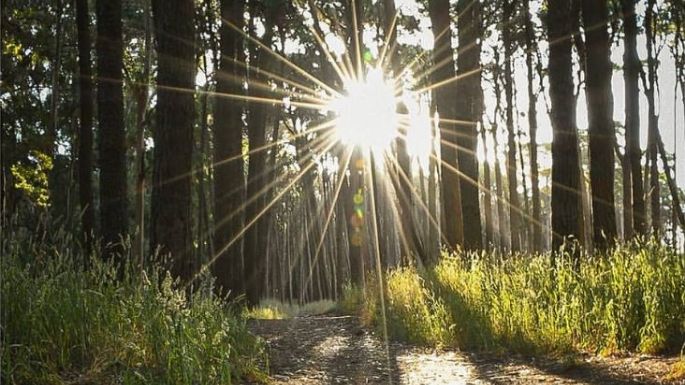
649,86
515,222
531,47
173,133
112,132
631,74
469,111
229,178
443,74
402,185
255,242
85,148
598,71
566,204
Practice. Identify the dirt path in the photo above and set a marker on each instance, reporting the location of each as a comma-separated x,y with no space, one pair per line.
336,350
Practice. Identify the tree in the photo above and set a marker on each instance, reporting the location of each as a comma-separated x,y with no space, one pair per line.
443,77
469,111
515,222
602,138
173,133
85,149
112,132
631,73
531,47
566,204
649,86
255,242
229,179
402,185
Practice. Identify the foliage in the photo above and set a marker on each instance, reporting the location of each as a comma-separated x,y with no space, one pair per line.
32,178
62,324
632,299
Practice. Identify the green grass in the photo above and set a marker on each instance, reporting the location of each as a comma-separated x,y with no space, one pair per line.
630,300
274,309
63,325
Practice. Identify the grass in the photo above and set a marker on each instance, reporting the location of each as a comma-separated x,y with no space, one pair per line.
274,309
61,324
632,299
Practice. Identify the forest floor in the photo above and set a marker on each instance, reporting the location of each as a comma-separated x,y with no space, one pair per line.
333,349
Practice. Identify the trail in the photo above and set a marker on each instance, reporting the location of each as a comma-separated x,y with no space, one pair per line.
336,350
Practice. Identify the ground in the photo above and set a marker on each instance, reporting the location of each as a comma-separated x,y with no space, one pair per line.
334,349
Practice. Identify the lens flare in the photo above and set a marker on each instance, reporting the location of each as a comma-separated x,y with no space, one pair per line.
366,113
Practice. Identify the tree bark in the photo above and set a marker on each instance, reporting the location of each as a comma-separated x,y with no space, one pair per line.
566,204
652,143
402,185
446,99
600,108
173,134
229,178
85,143
531,47
255,242
112,134
515,223
631,73
469,110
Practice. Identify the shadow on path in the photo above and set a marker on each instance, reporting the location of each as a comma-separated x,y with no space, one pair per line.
337,350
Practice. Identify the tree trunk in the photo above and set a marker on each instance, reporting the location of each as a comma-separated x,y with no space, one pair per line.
173,134
112,134
229,178
446,99
487,196
85,143
631,72
402,185
469,110
652,143
566,204
600,108
515,223
255,242
142,97
531,47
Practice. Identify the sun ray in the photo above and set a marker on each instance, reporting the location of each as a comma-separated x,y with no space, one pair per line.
254,220
340,71
283,59
451,80
386,48
355,37
312,96
308,157
336,194
400,173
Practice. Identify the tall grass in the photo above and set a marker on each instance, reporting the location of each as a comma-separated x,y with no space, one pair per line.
271,308
632,299
61,324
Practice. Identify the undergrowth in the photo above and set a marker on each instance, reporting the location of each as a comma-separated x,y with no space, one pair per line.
61,324
270,308
632,299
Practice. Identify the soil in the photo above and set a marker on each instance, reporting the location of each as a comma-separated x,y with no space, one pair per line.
334,349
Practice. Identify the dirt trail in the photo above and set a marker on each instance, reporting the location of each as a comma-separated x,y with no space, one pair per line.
336,350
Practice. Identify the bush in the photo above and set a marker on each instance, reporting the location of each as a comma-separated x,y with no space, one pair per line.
62,324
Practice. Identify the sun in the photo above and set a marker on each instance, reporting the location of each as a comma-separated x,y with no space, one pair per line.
366,113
